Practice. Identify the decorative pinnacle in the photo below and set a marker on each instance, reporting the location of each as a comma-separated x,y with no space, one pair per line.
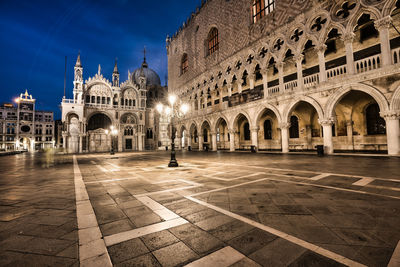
78,60
116,67
144,64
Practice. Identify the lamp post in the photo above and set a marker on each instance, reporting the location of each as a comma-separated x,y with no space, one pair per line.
172,111
113,133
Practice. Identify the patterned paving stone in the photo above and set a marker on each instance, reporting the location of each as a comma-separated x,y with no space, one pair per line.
176,254
127,250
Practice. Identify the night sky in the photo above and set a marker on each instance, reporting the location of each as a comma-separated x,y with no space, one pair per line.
37,35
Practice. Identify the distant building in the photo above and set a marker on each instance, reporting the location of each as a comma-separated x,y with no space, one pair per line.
98,106
25,128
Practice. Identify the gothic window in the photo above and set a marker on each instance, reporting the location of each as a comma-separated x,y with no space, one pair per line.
294,127
88,99
93,100
98,100
184,64
213,42
246,130
375,123
367,29
267,130
108,100
261,8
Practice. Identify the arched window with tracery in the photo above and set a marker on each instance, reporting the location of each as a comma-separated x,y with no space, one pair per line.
213,42
262,8
184,64
267,130
294,127
375,123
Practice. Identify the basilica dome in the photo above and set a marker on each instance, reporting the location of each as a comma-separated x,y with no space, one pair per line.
152,77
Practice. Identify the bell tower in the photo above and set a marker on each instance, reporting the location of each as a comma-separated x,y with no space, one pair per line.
78,80
115,75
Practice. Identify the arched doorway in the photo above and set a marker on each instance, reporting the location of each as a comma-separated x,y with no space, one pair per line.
129,139
242,134
194,137
268,134
222,134
359,126
205,137
99,141
305,132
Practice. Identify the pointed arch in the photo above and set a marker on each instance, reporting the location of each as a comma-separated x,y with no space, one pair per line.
307,99
261,111
237,116
373,12
339,94
395,102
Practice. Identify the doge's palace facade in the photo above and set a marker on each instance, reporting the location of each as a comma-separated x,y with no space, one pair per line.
288,75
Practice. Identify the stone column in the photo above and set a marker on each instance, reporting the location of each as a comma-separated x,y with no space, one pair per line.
232,140
321,62
285,136
327,130
178,140
200,142
349,128
80,143
239,84
189,141
348,42
252,79
309,136
299,66
214,141
64,140
383,25
280,74
230,90
393,132
265,83
254,137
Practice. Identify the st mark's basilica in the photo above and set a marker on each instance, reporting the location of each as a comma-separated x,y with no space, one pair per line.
107,114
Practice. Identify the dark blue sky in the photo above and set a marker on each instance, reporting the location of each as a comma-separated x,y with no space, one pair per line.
37,35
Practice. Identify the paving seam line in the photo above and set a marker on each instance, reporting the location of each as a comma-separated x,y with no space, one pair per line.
92,248
290,238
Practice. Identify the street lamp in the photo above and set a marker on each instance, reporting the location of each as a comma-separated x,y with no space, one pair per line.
113,133
173,110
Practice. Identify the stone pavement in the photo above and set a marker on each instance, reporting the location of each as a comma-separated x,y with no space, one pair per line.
216,209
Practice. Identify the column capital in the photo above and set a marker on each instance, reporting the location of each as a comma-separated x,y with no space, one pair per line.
326,122
231,131
255,129
284,125
383,23
348,37
320,48
213,132
390,114
298,58
280,65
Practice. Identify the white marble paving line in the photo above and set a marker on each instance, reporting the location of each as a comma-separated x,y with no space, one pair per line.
222,258
363,181
395,259
135,233
290,238
101,168
334,188
113,180
236,178
166,191
92,249
303,171
93,162
383,187
227,187
157,208
319,177
115,166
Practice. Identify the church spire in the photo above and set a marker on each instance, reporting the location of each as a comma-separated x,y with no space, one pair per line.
115,67
144,64
78,60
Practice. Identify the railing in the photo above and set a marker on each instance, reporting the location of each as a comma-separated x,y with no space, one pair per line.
336,72
367,64
289,86
311,80
71,101
95,105
273,90
396,55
